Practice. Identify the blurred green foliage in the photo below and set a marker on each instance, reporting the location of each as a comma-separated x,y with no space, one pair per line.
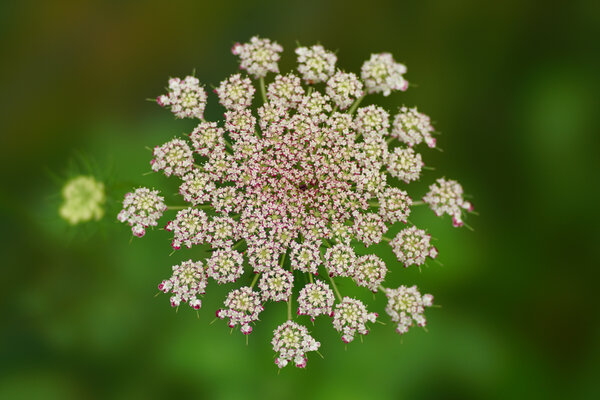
512,85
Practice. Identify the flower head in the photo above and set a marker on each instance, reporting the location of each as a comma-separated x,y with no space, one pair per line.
344,88
446,197
196,187
292,341
285,91
259,56
372,120
369,271
339,260
225,265
369,228
305,256
276,284
405,305
405,164
141,209
412,127
186,284
189,228
242,307
206,137
412,246
382,74
315,63
174,157
315,299
186,98
394,205
235,92
84,199
351,316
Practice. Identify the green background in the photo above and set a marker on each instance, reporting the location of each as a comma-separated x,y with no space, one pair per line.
512,85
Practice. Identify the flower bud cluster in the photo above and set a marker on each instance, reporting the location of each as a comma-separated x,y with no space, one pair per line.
84,199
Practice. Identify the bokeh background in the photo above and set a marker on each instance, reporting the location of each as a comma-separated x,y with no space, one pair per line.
512,85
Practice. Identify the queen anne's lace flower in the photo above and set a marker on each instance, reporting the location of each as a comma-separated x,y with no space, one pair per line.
412,246
305,256
446,197
285,91
344,88
405,164
196,187
292,342
83,200
242,307
369,271
225,265
206,137
189,228
339,260
186,284
405,305
276,284
259,56
235,92
369,228
315,299
315,63
382,74
372,120
350,316
296,178
142,209
412,127
394,205
186,98
174,157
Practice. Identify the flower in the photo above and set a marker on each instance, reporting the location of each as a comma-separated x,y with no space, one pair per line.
189,228
405,164
174,157
382,74
369,228
394,205
186,98
372,119
276,284
142,209
343,88
206,137
83,200
369,271
412,246
225,265
221,232
315,299
350,316
258,57
196,187
315,63
412,127
242,308
305,256
292,341
446,197
285,91
339,260
235,92
405,305
186,284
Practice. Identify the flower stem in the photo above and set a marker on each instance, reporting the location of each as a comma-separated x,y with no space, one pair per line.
262,89
310,278
418,203
335,289
177,207
254,280
356,104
